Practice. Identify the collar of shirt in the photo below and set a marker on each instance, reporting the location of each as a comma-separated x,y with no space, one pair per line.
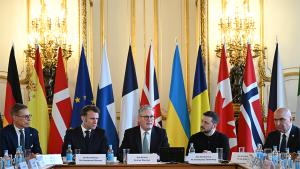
287,134
19,134
83,130
143,135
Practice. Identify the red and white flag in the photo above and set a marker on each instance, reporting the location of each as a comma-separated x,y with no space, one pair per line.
150,93
61,108
224,105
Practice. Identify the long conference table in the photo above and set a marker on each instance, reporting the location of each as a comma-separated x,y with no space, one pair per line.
154,166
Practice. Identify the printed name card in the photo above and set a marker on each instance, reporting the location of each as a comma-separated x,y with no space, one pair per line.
142,159
51,159
241,157
32,164
90,159
22,165
40,162
203,158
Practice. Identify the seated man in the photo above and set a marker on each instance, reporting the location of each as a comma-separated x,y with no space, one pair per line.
286,134
19,133
87,137
209,139
145,138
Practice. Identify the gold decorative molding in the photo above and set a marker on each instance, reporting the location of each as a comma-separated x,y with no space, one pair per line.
207,42
155,40
187,59
102,30
204,39
145,55
91,49
84,25
79,49
133,32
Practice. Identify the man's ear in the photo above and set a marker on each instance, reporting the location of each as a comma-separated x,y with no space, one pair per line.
215,126
82,118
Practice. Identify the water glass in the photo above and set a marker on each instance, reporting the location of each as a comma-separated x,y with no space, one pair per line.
268,153
27,155
241,149
220,154
125,153
77,151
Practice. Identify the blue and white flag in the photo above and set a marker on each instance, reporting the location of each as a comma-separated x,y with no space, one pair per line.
106,104
130,98
83,92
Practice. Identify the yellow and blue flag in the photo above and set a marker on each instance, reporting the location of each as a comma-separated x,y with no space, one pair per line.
178,122
200,102
83,92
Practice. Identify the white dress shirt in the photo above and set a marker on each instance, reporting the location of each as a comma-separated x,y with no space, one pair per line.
287,134
19,134
83,130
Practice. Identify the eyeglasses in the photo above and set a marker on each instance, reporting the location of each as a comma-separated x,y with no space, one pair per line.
281,120
147,117
26,116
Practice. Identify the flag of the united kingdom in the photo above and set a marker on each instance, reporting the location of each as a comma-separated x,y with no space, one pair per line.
250,130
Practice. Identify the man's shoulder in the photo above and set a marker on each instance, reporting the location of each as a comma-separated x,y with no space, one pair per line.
273,133
99,130
73,130
158,129
221,134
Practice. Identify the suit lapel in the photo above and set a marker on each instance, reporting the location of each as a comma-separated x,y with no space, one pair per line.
291,136
277,140
81,139
13,135
28,136
91,140
138,139
153,142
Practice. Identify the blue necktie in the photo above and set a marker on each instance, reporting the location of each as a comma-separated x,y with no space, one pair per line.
87,139
283,143
145,144
22,141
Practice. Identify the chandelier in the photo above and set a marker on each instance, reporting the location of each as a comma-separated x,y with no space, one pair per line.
237,30
48,33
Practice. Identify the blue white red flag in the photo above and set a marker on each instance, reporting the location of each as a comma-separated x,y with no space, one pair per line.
251,128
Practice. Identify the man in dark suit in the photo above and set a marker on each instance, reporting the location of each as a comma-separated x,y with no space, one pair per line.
87,137
286,134
145,138
19,133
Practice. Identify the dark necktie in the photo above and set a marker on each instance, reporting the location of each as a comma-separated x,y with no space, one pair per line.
22,140
283,143
87,139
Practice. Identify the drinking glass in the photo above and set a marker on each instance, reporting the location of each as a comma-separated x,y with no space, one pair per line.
27,155
125,153
77,151
220,154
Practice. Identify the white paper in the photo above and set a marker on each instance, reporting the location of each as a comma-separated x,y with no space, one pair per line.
52,159
241,157
142,159
22,165
203,158
90,159
40,162
32,164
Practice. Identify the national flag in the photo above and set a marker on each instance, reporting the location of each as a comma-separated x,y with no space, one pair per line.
37,103
251,128
83,92
130,98
178,122
150,95
224,104
13,91
297,119
61,108
106,104
277,97
200,102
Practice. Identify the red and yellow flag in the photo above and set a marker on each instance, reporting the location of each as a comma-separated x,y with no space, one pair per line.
37,103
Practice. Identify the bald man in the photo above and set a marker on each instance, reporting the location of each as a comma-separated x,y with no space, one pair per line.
286,134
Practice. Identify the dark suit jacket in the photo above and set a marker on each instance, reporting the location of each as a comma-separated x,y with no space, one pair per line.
132,141
293,143
97,145
9,140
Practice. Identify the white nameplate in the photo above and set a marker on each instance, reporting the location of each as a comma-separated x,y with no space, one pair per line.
12,167
241,157
22,165
142,159
90,159
203,158
52,159
40,162
32,164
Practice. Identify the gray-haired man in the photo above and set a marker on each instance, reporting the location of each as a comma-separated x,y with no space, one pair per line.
145,138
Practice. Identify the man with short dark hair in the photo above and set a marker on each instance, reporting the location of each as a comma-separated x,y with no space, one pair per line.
286,134
19,133
87,137
145,138
208,140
